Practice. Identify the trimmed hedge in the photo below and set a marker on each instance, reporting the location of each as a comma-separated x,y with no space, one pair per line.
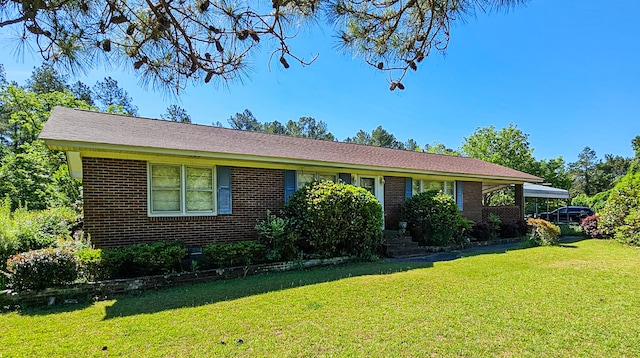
143,259
513,229
432,218
232,254
40,269
335,219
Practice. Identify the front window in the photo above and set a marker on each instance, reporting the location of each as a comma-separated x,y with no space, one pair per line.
369,184
199,189
181,190
304,178
447,187
165,189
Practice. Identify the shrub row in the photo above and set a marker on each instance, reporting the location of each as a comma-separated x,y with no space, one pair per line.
235,254
484,231
142,260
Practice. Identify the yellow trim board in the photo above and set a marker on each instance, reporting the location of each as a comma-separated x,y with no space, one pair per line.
206,158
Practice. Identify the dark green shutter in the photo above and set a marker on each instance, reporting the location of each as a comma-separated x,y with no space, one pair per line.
224,190
345,177
408,187
289,184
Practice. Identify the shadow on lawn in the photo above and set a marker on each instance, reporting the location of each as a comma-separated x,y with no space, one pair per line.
208,293
564,242
225,290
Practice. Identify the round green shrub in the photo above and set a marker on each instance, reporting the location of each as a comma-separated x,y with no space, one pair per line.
432,218
620,218
335,219
40,269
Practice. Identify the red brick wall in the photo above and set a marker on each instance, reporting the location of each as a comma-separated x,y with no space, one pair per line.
394,195
115,206
472,200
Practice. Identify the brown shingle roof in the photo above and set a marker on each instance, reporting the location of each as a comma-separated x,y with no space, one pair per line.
78,128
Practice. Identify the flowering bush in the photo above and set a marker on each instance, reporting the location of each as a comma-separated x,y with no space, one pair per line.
542,232
39,269
589,226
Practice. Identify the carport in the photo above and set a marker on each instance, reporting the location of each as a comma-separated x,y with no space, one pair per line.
536,192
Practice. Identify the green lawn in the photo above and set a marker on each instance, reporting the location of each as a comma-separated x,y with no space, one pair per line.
580,299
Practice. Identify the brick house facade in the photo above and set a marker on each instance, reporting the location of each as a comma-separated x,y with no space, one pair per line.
148,180
115,206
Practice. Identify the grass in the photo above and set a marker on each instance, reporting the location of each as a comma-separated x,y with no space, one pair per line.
579,299
570,229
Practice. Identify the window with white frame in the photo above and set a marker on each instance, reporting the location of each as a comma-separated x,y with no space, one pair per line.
447,187
369,184
306,177
181,190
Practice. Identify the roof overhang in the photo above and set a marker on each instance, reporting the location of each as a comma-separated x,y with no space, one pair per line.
75,150
541,191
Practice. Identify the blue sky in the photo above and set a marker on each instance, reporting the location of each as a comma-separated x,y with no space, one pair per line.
565,72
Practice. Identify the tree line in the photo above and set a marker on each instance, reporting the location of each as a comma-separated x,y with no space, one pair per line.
33,176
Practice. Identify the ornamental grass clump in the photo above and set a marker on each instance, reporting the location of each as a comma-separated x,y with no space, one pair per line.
543,233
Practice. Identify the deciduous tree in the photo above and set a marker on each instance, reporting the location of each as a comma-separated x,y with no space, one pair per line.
508,147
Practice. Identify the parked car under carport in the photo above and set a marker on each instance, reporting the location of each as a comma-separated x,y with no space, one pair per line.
567,214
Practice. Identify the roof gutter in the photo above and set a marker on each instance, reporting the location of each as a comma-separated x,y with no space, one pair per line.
73,146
